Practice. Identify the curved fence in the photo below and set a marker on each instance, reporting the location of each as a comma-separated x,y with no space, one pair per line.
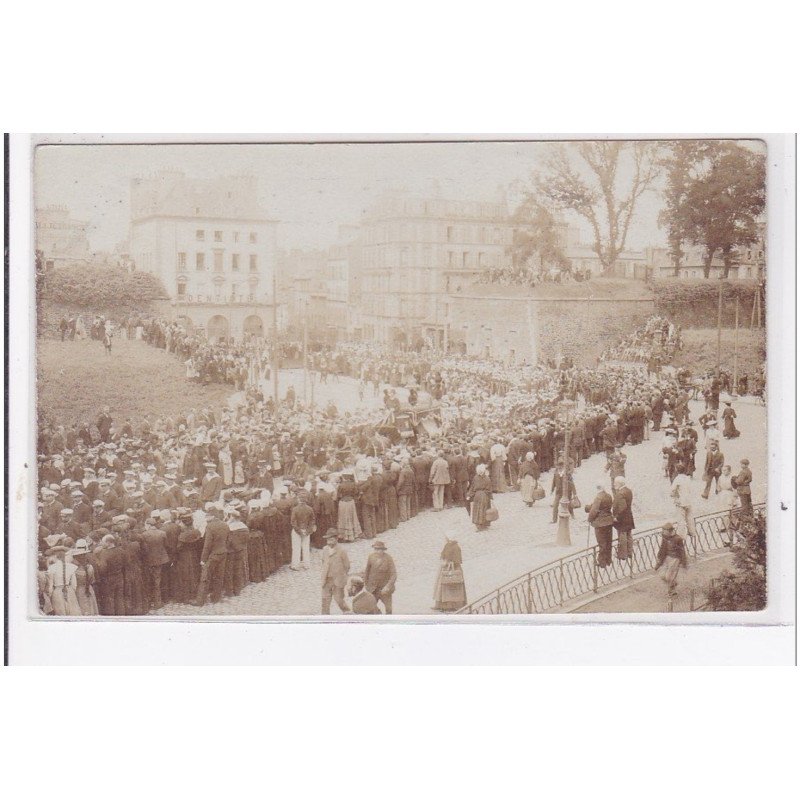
551,586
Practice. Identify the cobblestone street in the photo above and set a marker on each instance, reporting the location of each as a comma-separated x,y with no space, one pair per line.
522,539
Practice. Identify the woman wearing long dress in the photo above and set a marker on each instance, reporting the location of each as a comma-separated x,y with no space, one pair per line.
347,522
529,479
480,497
498,457
84,580
62,584
449,593
729,430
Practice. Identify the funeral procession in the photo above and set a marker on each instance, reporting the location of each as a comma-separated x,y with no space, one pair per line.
444,379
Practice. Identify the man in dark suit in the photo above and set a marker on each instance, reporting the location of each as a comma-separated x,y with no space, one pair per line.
335,569
155,558
742,484
380,575
623,518
715,461
303,521
213,558
406,489
601,519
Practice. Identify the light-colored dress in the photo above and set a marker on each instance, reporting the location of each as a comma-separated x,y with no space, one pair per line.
61,589
84,579
226,465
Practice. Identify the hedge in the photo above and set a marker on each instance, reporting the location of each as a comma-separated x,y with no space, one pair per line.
88,286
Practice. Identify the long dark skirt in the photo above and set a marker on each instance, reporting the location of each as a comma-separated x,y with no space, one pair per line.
480,504
256,557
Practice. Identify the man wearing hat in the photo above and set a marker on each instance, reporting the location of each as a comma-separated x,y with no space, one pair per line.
715,461
302,520
380,575
672,555
601,519
213,558
335,569
212,483
741,483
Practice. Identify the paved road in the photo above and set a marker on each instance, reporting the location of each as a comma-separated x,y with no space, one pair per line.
521,540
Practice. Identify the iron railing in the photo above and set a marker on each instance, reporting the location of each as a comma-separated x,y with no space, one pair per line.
559,582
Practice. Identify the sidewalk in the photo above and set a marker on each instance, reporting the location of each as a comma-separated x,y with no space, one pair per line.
649,593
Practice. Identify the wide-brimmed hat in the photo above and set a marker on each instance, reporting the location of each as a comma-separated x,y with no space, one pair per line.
333,533
379,545
81,548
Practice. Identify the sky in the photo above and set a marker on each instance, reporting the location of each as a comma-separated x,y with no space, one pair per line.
310,189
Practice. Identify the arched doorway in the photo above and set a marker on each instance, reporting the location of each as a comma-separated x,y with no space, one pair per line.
253,326
217,328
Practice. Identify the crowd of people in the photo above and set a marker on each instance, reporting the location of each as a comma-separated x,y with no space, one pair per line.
509,275
655,344
192,508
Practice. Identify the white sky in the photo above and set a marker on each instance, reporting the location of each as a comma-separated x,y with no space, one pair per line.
309,188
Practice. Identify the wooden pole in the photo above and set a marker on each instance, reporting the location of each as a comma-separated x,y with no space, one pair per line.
274,338
719,327
736,350
305,355
753,314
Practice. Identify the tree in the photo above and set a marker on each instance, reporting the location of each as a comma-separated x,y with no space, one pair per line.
601,182
746,588
680,158
536,237
724,202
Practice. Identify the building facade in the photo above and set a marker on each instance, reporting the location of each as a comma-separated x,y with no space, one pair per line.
749,263
211,245
416,251
60,237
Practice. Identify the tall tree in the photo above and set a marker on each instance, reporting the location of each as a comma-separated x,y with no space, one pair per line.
724,203
680,161
537,240
601,182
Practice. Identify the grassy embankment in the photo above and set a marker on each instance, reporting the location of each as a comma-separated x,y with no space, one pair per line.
76,379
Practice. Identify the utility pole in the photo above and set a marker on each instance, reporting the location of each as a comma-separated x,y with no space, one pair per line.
275,338
736,350
305,355
562,535
719,326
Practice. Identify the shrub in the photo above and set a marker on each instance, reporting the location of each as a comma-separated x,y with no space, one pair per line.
745,589
106,290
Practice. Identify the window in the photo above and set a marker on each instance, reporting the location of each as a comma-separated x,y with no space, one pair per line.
236,236
181,262
217,236
253,238
200,235
200,261
481,259
464,257
449,233
218,261
253,263
235,262
450,258
181,290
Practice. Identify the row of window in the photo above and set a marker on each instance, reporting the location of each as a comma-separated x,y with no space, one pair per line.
217,297
200,235
219,262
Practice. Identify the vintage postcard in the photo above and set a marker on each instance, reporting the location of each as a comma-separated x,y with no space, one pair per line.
450,379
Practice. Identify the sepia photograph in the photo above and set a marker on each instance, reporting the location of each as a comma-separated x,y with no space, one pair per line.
382,378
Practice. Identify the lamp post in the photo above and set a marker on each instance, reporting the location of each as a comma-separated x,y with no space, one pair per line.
562,534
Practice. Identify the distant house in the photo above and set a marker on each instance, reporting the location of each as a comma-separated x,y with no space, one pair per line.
749,264
61,238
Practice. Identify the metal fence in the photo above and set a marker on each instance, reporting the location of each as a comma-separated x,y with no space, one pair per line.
557,583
